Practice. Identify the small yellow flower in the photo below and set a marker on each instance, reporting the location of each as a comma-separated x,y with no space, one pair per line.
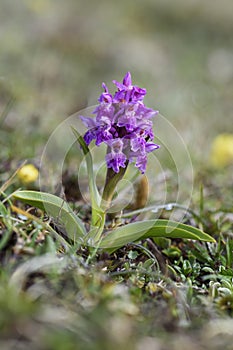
28,173
222,150
152,287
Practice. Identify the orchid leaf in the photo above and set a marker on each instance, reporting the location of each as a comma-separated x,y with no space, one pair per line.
95,196
55,207
151,228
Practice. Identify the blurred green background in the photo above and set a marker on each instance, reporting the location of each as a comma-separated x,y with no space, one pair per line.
55,55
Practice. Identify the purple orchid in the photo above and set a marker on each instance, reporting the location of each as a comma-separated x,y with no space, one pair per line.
123,122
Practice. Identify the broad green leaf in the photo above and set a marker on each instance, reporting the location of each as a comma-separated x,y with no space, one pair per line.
55,207
151,228
95,196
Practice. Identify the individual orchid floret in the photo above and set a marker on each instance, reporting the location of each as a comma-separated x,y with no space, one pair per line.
128,118
116,158
128,92
105,96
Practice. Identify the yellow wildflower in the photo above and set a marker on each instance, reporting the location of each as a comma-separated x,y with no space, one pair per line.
222,150
28,173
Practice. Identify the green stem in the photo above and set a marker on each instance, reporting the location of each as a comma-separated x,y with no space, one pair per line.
111,182
99,217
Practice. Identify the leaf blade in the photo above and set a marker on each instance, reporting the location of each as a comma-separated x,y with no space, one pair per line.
95,196
151,228
55,207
